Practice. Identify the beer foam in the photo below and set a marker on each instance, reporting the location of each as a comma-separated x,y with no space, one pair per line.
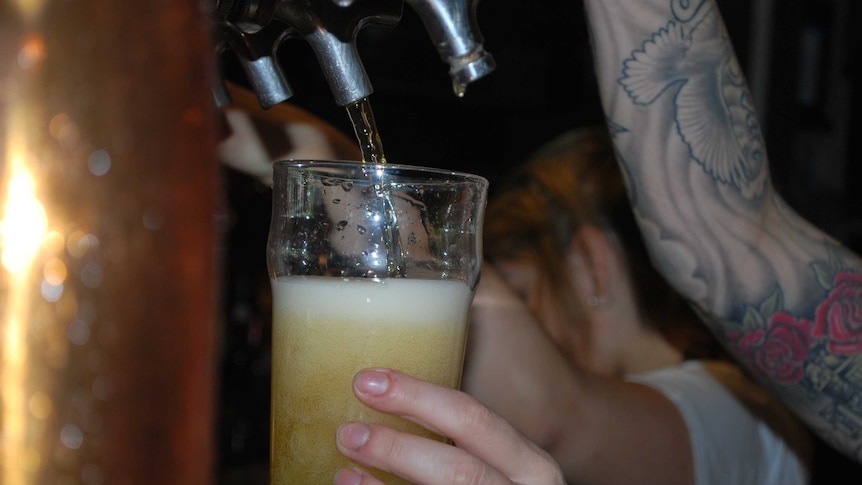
393,299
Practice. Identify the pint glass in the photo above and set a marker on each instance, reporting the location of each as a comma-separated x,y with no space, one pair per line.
371,266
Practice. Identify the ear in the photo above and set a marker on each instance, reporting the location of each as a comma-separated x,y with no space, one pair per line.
590,262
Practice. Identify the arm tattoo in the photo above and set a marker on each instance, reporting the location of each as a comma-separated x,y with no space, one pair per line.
784,298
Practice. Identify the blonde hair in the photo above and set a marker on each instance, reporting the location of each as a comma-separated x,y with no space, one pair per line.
573,181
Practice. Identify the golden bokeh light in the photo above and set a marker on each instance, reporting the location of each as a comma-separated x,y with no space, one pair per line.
24,223
29,9
55,271
23,228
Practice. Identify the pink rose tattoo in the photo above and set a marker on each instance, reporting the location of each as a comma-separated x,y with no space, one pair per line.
839,318
780,350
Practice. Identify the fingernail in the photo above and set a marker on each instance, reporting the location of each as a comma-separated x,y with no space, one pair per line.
372,382
352,436
348,476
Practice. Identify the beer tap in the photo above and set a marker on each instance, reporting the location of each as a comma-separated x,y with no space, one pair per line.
331,26
453,29
329,29
240,27
262,69
331,32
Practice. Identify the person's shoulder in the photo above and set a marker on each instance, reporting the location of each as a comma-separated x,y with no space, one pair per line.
695,386
734,424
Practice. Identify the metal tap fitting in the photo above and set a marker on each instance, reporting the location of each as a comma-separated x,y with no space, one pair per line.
331,32
452,26
453,29
244,26
263,71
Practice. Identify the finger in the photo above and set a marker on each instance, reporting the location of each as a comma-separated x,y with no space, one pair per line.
469,423
419,460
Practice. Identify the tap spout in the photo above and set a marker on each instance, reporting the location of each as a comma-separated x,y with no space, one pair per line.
331,32
453,29
257,56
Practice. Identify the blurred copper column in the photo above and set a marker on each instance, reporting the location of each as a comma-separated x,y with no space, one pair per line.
108,276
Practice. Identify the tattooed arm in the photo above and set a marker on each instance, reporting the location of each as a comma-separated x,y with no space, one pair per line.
784,297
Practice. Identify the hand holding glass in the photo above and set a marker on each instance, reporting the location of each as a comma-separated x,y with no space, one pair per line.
371,266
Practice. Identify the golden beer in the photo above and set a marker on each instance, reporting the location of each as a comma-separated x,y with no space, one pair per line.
325,329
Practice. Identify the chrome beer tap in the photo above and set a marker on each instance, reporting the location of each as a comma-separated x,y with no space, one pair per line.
330,27
331,32
257,56
244,27
453,29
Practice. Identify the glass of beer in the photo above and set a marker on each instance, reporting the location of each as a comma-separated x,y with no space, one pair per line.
372,265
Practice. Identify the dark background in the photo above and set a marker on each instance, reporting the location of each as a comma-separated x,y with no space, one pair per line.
802,80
